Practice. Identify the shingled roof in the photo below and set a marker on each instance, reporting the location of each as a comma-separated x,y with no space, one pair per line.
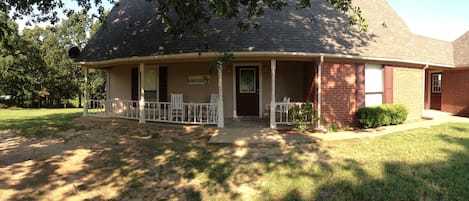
461,50
132,31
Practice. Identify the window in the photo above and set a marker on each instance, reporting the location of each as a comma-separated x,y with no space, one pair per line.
150,84
373,84
247,80
436,83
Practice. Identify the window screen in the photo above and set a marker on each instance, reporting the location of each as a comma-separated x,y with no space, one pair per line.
373,84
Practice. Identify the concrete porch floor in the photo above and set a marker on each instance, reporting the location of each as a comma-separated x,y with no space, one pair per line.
245,131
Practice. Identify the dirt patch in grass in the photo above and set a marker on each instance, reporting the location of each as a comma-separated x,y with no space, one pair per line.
124,160
113,159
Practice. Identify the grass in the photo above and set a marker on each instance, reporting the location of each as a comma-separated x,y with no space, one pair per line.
37,122
143,162
421,164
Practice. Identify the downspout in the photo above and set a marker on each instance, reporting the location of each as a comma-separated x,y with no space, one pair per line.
423,97
319,90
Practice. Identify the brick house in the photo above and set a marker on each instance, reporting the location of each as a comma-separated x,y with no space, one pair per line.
307,55
448,89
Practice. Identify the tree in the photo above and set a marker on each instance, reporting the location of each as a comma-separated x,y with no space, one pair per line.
20,64
179,16
35,68
64,79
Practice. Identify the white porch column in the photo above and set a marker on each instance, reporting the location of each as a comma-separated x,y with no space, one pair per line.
221,118
273,66
86,92
142,94
108,93
319,91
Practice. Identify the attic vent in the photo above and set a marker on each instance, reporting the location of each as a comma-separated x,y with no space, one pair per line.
313,19
384,25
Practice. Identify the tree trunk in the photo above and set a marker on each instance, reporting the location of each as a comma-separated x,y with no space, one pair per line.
79,101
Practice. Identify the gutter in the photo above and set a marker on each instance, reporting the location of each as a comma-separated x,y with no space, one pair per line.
319,90
267,55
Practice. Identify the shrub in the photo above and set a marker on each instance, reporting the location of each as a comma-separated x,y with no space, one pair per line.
303,115
383,115
396,112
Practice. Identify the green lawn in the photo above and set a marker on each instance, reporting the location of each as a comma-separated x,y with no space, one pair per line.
421,164
150,161
37,122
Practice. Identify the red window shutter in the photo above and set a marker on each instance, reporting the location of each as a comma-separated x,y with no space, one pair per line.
388,89
134,84
360,74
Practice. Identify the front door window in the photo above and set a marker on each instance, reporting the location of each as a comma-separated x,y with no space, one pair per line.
247,80
436,83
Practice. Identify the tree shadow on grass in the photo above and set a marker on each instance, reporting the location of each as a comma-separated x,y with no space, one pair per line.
441,180
123,160
142,162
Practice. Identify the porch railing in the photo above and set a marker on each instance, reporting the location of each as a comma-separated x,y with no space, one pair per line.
282,112
97,107
190,113
125,109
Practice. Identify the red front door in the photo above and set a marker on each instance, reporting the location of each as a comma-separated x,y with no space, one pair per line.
435,97
247,91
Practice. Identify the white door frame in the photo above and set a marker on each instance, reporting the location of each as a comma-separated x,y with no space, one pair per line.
430,85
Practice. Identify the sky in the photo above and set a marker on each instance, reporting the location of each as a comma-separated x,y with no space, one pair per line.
68,4
440,19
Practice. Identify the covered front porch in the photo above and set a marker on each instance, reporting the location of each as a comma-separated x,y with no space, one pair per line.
188,93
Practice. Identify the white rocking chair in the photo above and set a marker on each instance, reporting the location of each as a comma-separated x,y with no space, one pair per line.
282,110
176,108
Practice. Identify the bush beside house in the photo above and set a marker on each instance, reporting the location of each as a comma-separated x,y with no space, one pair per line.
303,115
383,115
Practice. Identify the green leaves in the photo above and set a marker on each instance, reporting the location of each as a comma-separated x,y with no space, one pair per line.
303,115
355,13
35,68
382,115
222,61
178,17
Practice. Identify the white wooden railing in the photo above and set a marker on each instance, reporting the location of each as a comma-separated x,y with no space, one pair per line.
126,109
190,113
282,112
97,107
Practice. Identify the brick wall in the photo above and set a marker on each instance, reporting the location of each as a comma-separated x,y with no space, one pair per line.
339,93
408,89
455,92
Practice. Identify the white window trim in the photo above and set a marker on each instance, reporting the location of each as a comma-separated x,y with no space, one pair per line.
375,92
157,89
436,89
